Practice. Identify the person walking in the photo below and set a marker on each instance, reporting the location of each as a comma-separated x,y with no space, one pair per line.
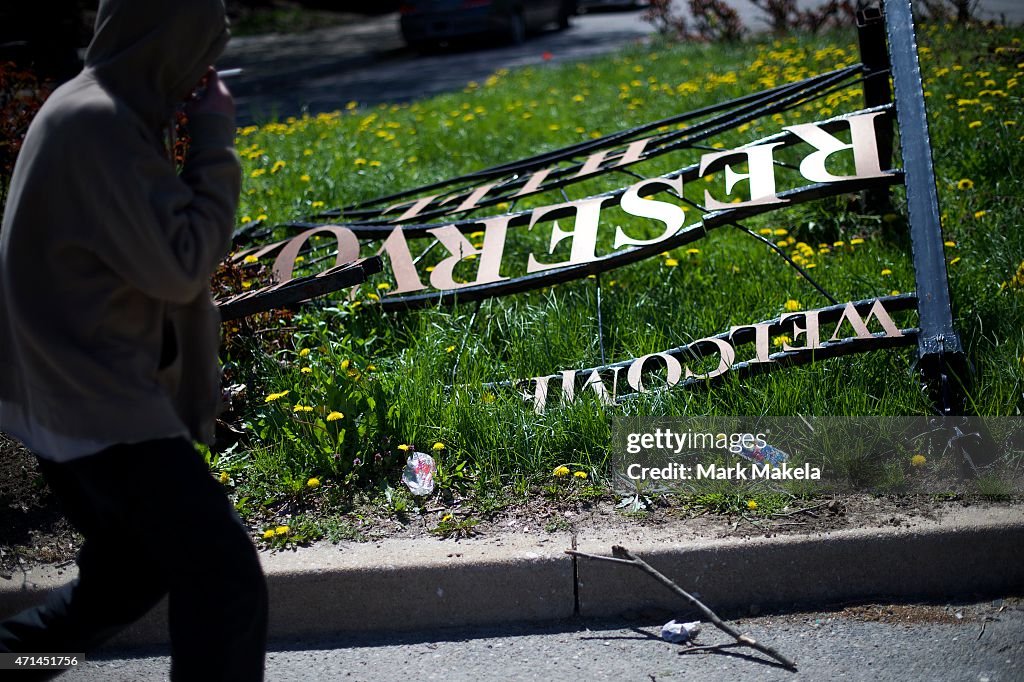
108,341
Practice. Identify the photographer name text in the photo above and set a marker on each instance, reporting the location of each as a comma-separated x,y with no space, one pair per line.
717,472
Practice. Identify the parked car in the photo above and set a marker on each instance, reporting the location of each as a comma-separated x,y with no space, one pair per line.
590,5
429,22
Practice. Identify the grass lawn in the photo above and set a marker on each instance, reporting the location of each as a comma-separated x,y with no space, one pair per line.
339,392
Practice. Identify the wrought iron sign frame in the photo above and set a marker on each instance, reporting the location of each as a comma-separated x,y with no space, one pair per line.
445,211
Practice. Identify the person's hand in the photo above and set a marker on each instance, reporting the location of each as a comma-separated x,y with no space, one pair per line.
211,97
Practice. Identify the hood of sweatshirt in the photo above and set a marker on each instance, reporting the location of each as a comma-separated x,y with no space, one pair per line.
152,53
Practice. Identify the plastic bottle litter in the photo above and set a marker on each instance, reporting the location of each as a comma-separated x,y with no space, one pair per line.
768,454
419,473
680,632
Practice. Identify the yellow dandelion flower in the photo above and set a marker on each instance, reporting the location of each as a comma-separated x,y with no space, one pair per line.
250,259
304,352
373,297
580,474
302,408
856,241
918,460
449,349
306,370
974,124
780,232
275,396
955,261
965,184
335,416
751,504
692,252
886,272
438,447
313,482
560,471
950,244
317,204
781,340
979,214
405,448
838,244
304,178
383,286
281,530
792,305
671,262
224,477
267,534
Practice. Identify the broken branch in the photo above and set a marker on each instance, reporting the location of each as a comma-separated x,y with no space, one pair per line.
621,555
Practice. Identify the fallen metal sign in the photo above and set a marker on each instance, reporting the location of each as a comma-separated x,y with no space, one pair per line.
802,337
637,201
467,259
293,291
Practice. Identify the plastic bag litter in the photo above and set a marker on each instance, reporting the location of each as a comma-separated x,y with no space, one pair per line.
680,632
419,473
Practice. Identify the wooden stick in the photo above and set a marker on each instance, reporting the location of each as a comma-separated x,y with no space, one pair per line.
621,555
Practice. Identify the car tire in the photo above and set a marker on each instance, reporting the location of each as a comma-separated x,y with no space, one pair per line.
563,19
516,33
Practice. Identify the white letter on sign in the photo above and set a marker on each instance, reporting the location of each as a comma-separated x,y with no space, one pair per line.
670,214
584,234
761,174
864,146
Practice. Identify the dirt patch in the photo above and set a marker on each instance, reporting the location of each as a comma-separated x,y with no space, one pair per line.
34,529
956,613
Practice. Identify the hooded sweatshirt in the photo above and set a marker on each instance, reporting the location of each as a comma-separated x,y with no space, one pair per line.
107,331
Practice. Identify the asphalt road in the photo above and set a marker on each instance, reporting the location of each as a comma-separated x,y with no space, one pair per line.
987,645
367,62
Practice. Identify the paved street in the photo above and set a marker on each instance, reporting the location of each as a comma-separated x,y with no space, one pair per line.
367,61
938,646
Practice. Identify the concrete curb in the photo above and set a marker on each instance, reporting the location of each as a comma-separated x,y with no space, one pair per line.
418,584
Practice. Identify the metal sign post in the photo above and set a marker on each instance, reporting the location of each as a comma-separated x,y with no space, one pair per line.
941,358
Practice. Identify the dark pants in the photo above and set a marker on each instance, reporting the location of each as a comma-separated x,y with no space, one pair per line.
155,523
